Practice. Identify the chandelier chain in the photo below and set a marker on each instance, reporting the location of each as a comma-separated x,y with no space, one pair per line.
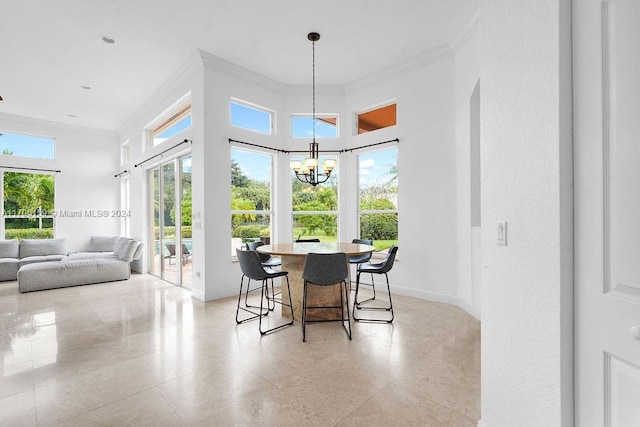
313,85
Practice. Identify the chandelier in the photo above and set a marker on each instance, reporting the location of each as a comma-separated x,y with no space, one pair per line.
309,171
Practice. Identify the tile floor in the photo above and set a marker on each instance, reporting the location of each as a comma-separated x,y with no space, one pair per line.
143,352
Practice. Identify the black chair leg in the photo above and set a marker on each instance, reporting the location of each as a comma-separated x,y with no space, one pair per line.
359,307
346,295
255,315
265,287
304,310
357,303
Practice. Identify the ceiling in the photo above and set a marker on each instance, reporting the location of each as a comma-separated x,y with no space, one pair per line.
51,48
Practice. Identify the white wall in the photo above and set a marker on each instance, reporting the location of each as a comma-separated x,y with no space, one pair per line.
88,160
467,63
526,180
425,96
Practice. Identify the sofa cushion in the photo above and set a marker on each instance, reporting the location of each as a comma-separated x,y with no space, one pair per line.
41,258
8,269
127,250
50,275
40,247
9,249
102,243
85,255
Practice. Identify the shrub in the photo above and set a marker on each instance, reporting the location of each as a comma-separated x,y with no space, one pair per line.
265,232
379,226
247,231
28,233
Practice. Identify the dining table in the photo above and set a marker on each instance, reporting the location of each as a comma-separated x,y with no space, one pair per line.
293,256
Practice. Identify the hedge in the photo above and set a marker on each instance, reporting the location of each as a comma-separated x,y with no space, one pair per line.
247,231
379,226
28,233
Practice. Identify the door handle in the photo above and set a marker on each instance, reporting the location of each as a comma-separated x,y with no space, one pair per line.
635,332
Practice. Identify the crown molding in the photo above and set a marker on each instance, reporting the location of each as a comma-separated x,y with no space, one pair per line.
423,59
215,63
465,34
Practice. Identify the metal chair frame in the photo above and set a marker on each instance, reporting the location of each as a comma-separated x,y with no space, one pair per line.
361,259
269,262
375,268
339,277
252,269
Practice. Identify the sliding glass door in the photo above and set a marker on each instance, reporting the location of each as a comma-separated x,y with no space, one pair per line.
170,191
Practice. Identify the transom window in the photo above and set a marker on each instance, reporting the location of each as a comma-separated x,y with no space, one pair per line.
22,145
171,124
375,119
378,193
252,117
326,126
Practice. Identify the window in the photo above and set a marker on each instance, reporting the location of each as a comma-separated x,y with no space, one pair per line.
251,212
315,209
378,118
252,117
326,126
28,202
124,153
171,124
125,206
378,194
21,145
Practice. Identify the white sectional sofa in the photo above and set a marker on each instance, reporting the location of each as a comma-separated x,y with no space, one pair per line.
44,264
107,259
14,254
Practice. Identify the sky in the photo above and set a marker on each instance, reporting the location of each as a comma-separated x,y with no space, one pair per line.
27,145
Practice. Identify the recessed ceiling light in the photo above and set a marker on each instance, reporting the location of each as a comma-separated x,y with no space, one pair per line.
85,87
107,39
72,115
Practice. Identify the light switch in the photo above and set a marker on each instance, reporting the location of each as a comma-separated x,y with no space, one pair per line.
502,233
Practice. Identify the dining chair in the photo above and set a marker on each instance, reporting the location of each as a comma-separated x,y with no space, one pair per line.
299,240
326,270
362,258
375,268
267,261
252,269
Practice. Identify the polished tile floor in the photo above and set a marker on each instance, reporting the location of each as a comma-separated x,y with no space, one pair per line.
143,352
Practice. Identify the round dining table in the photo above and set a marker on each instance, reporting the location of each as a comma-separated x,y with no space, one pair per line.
293,256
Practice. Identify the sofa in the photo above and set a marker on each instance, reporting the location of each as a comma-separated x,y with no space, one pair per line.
16,254
107,259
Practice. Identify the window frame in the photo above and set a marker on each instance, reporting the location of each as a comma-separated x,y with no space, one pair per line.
31,135
170,117
51,215
259,108
361,211
336,174
270,212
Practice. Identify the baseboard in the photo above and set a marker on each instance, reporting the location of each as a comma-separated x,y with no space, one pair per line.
213,294
426,295
475,312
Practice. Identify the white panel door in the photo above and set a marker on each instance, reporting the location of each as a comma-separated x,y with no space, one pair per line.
606,66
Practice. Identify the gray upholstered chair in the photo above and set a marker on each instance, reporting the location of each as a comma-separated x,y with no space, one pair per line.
326,270
269,262
252,269
375,268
